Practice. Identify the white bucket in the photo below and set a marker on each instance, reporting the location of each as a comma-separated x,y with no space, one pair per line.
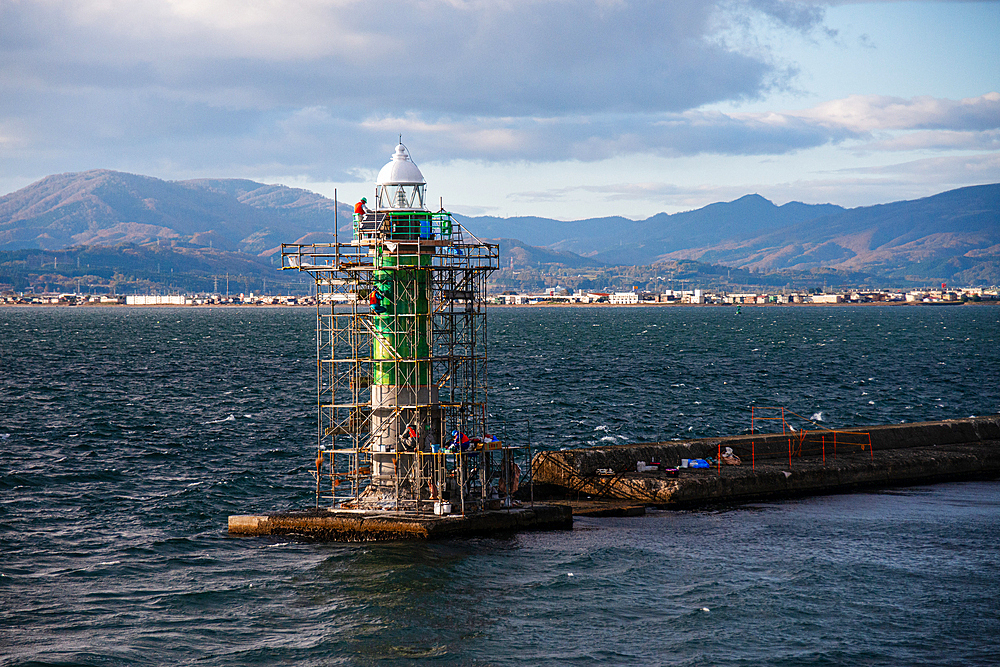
684,463
442,508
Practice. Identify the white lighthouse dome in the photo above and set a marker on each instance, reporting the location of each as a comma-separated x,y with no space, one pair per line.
400,186
400,170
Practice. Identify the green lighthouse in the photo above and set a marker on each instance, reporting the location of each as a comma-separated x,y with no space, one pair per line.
401,335
402,394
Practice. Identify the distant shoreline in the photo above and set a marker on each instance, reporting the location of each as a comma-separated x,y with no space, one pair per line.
555,304
547,304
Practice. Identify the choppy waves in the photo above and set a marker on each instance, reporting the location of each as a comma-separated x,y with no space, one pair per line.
129,435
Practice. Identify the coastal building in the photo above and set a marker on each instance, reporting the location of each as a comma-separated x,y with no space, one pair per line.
625,298
156,300
696,297
738,298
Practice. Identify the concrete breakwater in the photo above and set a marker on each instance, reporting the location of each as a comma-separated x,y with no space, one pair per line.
359,526
778,465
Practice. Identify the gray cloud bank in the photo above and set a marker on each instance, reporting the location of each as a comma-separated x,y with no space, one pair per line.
314,87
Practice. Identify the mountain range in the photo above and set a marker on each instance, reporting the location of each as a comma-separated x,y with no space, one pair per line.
953,236
102,207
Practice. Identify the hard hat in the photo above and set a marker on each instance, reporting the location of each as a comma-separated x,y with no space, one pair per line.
364,199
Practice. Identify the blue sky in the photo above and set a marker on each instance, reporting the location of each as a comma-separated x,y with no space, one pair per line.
559,108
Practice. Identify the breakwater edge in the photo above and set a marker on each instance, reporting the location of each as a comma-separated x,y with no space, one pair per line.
776,465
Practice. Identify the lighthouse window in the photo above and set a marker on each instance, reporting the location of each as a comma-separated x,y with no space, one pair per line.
401,196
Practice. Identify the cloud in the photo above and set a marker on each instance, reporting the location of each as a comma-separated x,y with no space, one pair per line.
103,82
609,192
865,113
804,17
868,123
952,169
865,186
862,186
470,57
313,88
939,140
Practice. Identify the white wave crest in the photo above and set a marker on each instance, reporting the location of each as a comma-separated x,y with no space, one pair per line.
230,418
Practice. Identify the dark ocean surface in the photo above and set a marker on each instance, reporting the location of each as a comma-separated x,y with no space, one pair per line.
128,435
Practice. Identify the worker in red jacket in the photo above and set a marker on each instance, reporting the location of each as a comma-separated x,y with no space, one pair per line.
361,207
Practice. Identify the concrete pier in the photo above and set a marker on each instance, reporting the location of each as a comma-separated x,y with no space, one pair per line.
779,466
361,526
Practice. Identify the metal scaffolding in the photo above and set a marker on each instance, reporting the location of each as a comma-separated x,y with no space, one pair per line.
401,365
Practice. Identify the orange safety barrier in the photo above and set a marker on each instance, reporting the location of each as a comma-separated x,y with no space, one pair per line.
802,440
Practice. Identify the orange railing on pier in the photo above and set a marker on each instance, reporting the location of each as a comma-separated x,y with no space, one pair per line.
817,441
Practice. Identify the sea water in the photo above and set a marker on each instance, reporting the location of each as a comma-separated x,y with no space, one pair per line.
128,435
